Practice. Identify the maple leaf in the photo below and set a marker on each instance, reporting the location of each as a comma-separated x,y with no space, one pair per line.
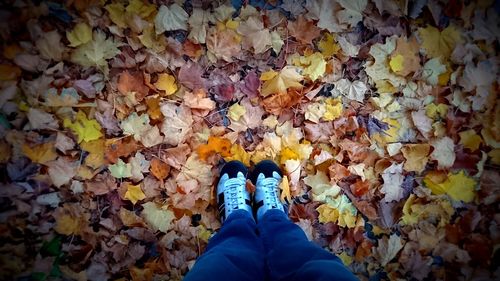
388,248
214,145
458,186
405,59
328,46
177,123
81,34
84,128
134,193
159,169
166,83
41,153
224,44
170,18
279,82
444,152
135,125
431,71
416,156
305,31
439,43
198,21
393,180
121,169
61,171
255,35
41,120
50,47
96,52
469,139
352,90
158,218
132,82
314,65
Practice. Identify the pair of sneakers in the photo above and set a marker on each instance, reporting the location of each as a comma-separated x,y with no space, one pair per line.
233,195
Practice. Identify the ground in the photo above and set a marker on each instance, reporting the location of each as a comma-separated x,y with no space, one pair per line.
116,117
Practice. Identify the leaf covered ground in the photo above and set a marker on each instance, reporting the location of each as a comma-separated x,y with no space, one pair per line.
117,115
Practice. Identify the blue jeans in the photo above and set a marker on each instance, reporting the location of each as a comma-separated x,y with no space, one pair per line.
273,249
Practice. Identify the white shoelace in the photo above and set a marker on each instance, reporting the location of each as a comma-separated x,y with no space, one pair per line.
270,188
234,193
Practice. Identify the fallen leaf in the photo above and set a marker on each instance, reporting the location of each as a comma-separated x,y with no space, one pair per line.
416,156
81,34
279,82
158,218
439,43
134,193
41,153
214,145
469,139
458,186
84,128
305,31
159,169
96,52
170,18
393,180
120,169
166,83
388,248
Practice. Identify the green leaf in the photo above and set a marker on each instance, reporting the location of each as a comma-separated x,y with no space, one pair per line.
52,247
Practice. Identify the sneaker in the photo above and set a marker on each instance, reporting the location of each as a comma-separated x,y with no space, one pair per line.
266,177
232,194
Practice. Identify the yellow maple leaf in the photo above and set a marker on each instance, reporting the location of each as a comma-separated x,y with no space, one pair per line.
333,109
95,148
469,139
390,135
151,40
279,82
284,186
416,156
238,153
81,34
236,111
314,65
134,193
495,156
328,46
41,153
439,210
67,225
327,214
439,43
166,83
396,63
436,111
141,8
117,14
458,186
85,129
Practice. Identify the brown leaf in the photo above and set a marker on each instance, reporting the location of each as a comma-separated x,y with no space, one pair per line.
305,31
132,82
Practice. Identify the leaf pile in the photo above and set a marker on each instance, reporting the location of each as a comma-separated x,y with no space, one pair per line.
117,115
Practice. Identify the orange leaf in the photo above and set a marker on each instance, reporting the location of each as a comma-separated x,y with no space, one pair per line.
192,50
116,148
154,111
214,145
159,169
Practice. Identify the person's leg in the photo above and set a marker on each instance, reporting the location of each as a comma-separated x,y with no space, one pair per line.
234,253
291,256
